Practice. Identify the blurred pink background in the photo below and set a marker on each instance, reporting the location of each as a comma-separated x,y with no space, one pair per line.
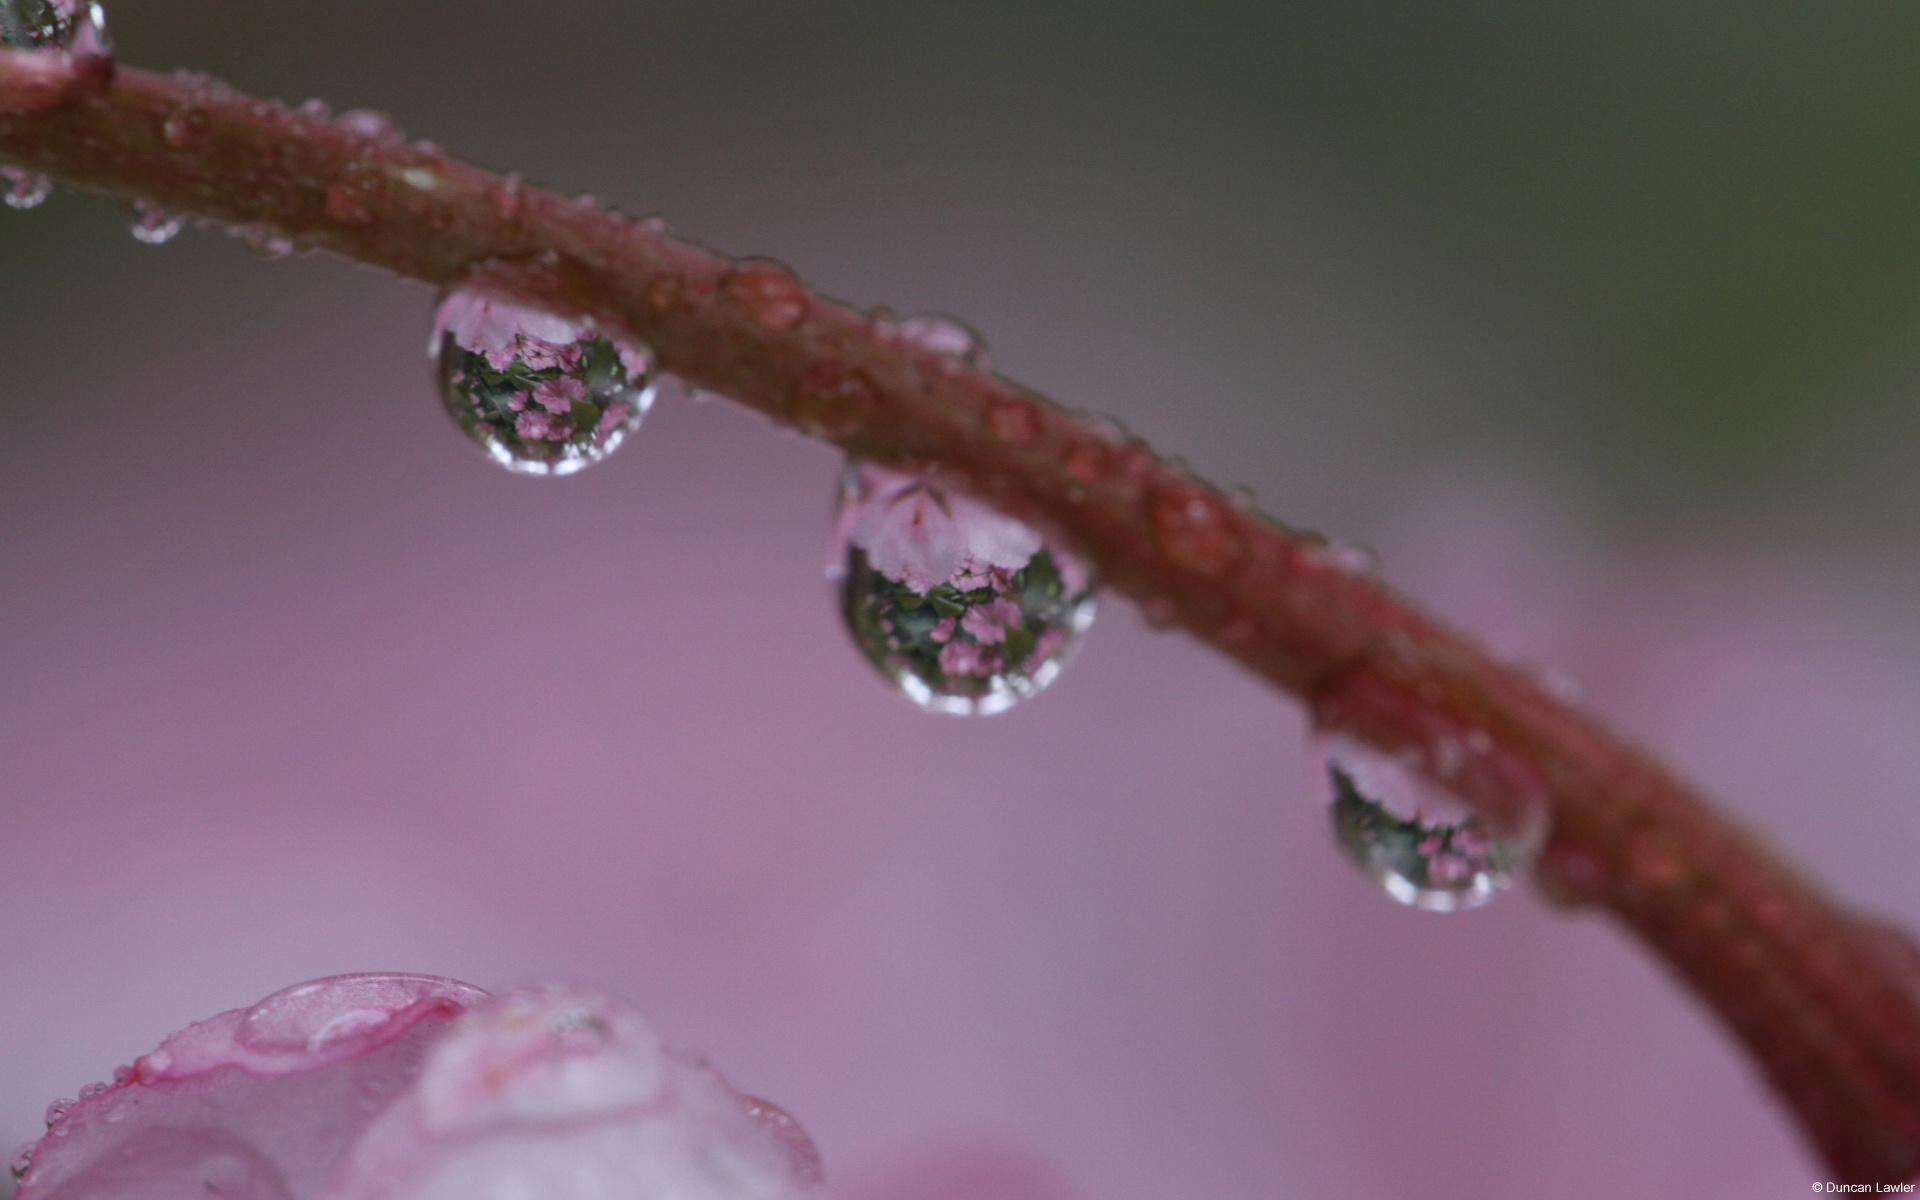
294,683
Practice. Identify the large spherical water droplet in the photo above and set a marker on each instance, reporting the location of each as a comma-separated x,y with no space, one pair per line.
542,395
22,188
965,610
1424,846
39,24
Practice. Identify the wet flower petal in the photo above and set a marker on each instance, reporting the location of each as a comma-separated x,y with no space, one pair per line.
407,1087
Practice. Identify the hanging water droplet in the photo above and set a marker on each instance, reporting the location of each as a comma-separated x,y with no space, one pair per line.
965,610
946,335
22,1160
39,24
24,188
1426,847
56,1110
154,225
541,394
316,109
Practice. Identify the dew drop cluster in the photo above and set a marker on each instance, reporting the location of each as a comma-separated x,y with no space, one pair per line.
964,610
1426,848
541,395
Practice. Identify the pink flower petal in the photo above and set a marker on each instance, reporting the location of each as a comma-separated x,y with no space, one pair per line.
566,1095
408,1087
260,1101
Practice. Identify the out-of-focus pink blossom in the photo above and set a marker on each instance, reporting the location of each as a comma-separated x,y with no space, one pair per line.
406,1087
637,363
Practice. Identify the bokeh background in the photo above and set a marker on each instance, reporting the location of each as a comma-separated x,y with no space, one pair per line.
1601,324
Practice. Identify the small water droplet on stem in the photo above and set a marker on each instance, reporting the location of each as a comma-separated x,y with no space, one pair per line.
767,292
947,336
368,123
186,127
1195,530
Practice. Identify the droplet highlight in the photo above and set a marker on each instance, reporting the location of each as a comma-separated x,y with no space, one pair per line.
540,394
153,225
1426,848
948,336
23,189
186,127
966,611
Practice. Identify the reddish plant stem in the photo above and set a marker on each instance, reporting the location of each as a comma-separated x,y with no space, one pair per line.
1828,1004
